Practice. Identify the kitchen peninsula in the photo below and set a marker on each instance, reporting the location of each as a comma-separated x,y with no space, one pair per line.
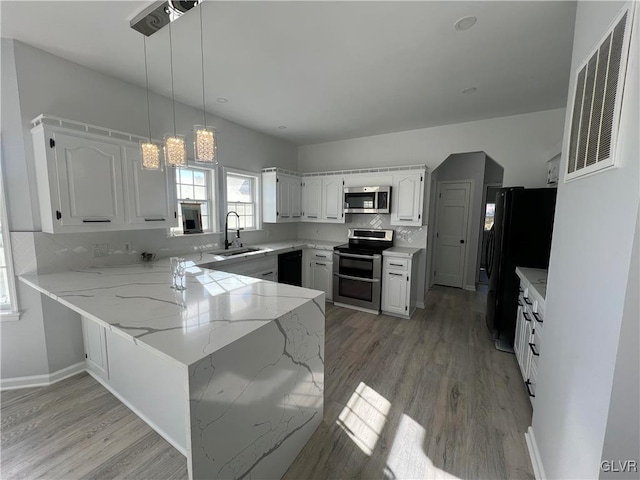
230,370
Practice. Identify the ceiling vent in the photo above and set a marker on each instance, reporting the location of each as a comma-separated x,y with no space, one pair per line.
598,97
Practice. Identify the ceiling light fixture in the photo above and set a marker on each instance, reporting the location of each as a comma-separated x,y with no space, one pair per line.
175,151
465,23
150,151
469,90
222,100
204,138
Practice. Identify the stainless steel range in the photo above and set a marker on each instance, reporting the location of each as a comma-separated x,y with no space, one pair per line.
357,269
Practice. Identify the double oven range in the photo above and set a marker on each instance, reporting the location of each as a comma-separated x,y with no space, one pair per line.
357,269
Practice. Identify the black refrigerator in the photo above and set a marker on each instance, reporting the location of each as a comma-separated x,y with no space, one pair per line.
520,236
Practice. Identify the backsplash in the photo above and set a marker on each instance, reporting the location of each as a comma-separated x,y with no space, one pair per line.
37,252
404,236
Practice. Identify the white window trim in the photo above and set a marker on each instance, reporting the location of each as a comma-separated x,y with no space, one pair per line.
214,201
12,314
257,195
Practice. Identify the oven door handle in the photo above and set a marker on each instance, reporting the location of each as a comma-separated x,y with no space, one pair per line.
357,279
353,255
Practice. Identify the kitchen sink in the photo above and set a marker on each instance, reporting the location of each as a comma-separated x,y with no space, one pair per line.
238,252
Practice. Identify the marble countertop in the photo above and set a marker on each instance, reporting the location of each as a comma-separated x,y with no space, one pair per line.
536,277
137,302
400,251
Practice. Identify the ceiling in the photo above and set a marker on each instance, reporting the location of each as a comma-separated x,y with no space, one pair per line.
325,70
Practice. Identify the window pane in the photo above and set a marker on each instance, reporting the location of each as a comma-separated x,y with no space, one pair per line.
187,192
488,216
232,221
200,193
186,176
239,189
199,177
4,288
205,222
204,208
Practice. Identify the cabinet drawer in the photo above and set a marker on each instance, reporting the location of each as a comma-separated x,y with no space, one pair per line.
321,255
395,263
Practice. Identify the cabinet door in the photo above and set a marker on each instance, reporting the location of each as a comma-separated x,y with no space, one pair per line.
407,197
312,199
95,347
284,202
89,181
394,293
295,192
150,200
321,278
333,202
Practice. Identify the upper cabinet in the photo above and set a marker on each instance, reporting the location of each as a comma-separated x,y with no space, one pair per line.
407,194
332,200
281,196
90,182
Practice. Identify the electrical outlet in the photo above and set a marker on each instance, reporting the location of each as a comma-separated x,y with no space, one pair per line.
100,249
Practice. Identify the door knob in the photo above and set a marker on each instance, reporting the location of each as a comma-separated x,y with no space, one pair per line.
461,241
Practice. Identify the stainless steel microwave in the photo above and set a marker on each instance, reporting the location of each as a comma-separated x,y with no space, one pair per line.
367,199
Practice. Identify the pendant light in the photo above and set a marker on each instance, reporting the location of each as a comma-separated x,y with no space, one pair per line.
204,138
149,150
175,149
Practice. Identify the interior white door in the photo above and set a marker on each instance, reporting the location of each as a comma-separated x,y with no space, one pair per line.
451,233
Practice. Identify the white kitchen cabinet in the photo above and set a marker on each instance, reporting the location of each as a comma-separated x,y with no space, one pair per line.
150,194
332,200
399,284
90,180
318,273
407,197
280,197
312,199
95,348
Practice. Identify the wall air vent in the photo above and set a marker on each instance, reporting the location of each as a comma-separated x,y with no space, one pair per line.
598,98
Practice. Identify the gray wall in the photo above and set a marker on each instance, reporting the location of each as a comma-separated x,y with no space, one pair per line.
622,437
46,338
591,252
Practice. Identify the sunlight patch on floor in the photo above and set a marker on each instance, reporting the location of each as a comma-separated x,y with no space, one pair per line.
364,417
407,458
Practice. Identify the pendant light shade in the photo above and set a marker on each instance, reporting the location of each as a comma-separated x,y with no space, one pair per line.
204,144
175,150
149,151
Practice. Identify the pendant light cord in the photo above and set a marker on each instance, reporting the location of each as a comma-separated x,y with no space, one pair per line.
173,99
146,76
204,111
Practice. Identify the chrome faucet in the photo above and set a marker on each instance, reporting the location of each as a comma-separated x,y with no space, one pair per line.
227,243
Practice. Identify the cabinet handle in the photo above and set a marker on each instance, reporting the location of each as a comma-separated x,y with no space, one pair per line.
538,317
265,274
533,350
528,385
396,264
312,216
520,290
295,216
406,219
332,218
155,220
526,300
321,256
519,303
323,264
102,220
397,274
526,317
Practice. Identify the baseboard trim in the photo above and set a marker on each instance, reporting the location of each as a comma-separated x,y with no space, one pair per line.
143,417
534,454
41,380
471,288
420,304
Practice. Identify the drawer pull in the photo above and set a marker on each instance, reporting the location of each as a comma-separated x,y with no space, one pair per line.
526,300
396,264
268,273
102,220
526,317
397,274
154,220
406,219
519,303
312,216
528,385
323,264
533,349
332,218
322,256
538,317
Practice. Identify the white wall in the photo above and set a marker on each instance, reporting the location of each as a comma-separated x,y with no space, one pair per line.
35,82
522,144
588,274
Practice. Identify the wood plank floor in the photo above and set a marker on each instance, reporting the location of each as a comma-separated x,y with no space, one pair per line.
428,397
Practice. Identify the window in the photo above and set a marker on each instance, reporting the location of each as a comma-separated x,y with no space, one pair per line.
193,185
241,191
489,214
8,304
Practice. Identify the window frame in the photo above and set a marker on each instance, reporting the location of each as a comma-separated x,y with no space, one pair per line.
212,200
9,311
257,209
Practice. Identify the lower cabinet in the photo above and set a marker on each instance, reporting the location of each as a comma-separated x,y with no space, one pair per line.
95,348
399,285
319,274
264,268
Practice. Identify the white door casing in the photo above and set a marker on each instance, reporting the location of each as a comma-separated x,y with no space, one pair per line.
452,218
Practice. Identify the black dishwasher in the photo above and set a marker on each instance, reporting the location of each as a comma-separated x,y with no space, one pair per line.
290,268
